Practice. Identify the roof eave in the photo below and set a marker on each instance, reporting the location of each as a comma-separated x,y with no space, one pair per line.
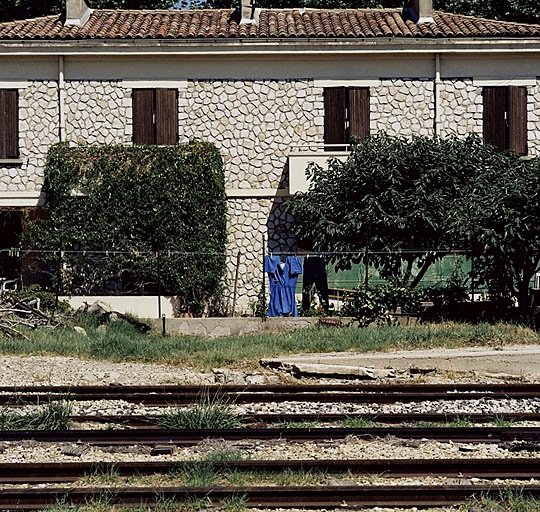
246,46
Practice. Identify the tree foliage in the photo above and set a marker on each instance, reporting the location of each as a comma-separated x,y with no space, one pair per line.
136,200
527,11
396,194
22,9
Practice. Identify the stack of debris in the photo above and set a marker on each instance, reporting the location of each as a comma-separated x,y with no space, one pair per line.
15,313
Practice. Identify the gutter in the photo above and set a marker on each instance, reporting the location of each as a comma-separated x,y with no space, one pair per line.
437,95
315,47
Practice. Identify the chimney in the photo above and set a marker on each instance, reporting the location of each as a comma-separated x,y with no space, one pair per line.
77,12
424,10
248,13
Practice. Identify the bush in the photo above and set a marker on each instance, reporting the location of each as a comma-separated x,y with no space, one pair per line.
47,300
134,201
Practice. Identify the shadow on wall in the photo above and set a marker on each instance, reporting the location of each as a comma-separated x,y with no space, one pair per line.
280,238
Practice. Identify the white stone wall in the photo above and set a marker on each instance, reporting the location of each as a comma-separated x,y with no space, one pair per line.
250,222
461,104
253,123
38,129
98,112
533,119
402,107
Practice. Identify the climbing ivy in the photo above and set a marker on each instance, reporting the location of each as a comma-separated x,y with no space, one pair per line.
137,200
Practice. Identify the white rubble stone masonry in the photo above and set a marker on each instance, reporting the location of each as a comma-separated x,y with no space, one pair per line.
462,106
402,107
533,119
98,112
253,123
251,220
38,129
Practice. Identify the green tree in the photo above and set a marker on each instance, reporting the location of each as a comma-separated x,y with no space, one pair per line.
392,194
21,9
497,218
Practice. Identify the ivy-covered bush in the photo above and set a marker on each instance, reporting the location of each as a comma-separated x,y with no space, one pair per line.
133,201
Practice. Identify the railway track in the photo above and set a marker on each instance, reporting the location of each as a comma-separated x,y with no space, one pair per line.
149,421
191,437
180,395
18,473
342,497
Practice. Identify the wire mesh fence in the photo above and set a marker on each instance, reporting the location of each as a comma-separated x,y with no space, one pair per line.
77,273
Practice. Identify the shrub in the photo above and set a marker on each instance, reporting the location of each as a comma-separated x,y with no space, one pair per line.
134,201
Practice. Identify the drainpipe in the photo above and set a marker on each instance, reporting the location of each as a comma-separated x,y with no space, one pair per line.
437,95
61,99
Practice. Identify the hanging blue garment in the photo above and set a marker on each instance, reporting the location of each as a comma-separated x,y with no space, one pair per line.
282,280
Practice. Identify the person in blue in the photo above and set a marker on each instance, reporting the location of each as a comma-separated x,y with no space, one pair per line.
282,277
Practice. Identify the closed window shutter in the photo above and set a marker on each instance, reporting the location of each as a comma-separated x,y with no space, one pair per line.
334,115
495,132
9,123
517,119
166,116
359,112
143,116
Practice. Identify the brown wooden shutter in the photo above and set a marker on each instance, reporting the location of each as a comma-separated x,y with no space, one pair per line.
495,132
359,112
517,119
166,116
334,116
143,116
9,123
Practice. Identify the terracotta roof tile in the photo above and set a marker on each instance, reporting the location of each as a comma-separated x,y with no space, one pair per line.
284,23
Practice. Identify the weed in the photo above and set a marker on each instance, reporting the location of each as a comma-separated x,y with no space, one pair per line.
299,477
460,421
103,473
509,500
358,423
501,421
53,416
227,456
235,503
299,424
198,473
210,412
124,343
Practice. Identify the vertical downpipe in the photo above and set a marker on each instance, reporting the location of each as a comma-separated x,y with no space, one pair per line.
437,95
61,99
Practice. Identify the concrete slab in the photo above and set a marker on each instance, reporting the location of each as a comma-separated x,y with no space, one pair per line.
512,360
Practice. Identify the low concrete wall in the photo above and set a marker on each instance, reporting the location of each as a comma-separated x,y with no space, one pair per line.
144,306
216,327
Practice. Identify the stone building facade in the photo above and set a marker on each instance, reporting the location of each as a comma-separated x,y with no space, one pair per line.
253,82
254,123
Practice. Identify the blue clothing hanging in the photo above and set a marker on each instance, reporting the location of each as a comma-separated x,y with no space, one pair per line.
282,280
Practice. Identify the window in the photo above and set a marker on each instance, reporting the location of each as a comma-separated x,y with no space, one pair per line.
9,123
155,116
346,114
505,118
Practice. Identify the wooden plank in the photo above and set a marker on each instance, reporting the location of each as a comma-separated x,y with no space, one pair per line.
359,112
166,116
495,128
517,119
334,116
9,123
143,116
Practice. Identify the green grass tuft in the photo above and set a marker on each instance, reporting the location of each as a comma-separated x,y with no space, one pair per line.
53,416
210,412
358,423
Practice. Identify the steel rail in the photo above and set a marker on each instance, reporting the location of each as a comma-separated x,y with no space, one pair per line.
342,497
149,421
191,437
280,388
171,399
53,472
